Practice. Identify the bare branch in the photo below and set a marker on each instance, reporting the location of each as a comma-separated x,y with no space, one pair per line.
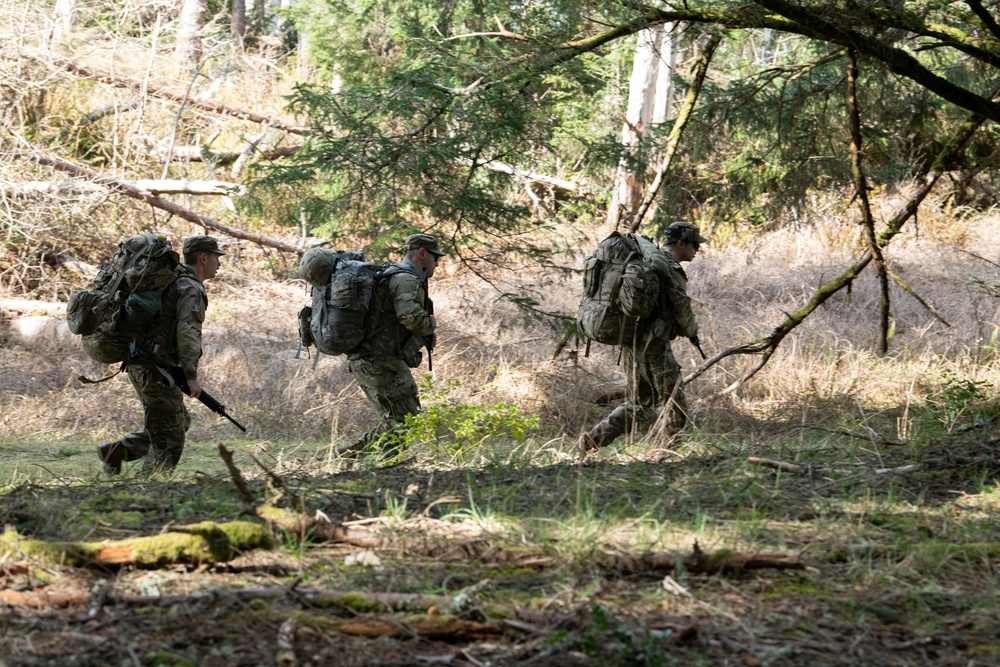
124,188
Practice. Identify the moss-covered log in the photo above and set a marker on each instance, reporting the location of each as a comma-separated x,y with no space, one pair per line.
194,544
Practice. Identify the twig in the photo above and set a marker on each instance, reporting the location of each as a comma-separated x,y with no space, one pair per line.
238,481
276,478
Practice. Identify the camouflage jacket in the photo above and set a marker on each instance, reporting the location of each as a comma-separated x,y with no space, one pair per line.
192,302
675,305
400,324
176,333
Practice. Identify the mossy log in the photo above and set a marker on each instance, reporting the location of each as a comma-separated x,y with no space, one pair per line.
194,544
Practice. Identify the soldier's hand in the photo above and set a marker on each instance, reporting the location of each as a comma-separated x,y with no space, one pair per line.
431,341
195,388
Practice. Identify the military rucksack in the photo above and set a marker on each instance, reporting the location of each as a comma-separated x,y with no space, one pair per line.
126,298
620,291
343,285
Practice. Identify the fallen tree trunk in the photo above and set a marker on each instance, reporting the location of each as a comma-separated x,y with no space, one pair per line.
151,186
195,544
124,188
354,601
220,158
174,96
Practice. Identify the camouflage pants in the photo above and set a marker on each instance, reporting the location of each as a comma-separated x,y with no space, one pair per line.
165,421
389,386
654,384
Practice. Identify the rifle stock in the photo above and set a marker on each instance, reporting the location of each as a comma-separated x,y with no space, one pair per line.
175,375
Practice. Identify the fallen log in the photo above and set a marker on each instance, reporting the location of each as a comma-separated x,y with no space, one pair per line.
125,82
723,561
221,158
151,186
124,188
194,544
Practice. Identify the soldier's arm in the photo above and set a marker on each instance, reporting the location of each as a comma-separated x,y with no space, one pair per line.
191,303
407,299
680,304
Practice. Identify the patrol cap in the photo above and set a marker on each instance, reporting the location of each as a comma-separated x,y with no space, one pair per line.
194,244
425,241
684,231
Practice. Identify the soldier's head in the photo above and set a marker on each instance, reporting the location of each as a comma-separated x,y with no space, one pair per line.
423,251
203,255
683,240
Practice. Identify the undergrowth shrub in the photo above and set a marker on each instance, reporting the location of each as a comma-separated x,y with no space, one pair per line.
455,429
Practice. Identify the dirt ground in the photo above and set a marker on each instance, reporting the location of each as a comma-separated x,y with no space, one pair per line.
846,607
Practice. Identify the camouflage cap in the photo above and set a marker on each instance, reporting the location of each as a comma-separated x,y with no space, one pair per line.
194,244
684,231
425,241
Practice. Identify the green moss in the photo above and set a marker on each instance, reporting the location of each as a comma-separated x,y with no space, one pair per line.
165,659
121,519
62,553
984,652
360,603
198,543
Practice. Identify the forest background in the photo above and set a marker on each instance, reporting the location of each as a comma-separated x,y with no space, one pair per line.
834,502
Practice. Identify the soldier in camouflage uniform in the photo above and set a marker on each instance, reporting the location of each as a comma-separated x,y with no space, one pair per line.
176,338
653,375
401,326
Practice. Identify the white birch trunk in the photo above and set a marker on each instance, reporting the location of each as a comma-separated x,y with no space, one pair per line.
62,18
665,77
187,53
642,93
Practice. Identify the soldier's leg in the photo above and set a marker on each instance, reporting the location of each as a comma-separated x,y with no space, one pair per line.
165,420
635,409
131,447
669,389
389,386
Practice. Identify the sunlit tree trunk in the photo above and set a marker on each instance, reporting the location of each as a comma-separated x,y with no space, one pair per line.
187,53
628,184
665,76
62,18
239,22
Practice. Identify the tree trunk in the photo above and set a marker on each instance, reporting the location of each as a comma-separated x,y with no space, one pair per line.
665,76
62,18
239,22
187,53
628,184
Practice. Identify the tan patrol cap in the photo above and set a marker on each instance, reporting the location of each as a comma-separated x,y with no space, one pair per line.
425,241
194,244
684,231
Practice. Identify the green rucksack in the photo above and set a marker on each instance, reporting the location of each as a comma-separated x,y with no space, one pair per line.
620,291
126,297
338,320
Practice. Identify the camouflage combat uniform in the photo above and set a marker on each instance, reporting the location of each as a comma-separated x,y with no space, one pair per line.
401,327
652,373
175,337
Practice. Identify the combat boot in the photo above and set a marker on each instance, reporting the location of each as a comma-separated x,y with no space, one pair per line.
599,436
112,454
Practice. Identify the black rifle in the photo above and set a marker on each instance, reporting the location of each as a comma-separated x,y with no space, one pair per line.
174,376
429,307
697,343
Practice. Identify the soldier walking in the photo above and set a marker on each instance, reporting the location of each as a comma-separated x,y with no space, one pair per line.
652,373
175,336
402,325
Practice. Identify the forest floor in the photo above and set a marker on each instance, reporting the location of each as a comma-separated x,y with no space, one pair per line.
530,564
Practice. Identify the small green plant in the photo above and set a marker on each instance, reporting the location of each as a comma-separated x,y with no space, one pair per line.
458,428
956,398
